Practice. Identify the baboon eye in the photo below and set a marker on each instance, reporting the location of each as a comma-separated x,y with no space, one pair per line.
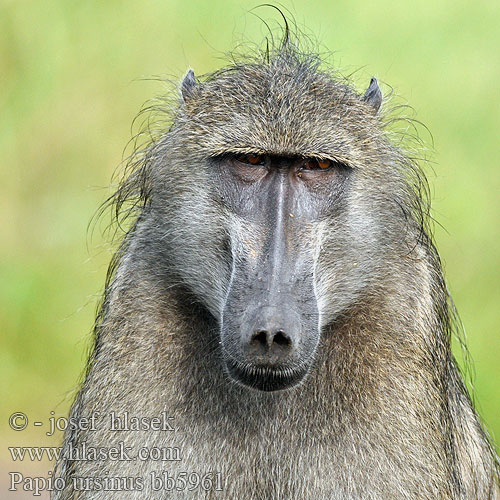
252,159
317,164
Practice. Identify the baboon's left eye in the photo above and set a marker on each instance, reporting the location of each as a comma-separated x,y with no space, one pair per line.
317,164
252,159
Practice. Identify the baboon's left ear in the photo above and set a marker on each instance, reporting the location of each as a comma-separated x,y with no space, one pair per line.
188,84
373,95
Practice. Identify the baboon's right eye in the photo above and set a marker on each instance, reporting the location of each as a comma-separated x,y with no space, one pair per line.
252,159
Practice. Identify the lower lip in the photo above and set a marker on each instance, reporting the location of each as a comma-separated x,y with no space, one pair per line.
273,380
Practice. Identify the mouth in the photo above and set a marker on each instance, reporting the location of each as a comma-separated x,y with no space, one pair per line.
262,377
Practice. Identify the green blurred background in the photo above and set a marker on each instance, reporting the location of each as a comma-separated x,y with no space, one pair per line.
72,78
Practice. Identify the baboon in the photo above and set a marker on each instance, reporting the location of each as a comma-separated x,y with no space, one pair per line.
275,324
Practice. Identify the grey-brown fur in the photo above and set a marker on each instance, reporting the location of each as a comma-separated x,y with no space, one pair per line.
383,413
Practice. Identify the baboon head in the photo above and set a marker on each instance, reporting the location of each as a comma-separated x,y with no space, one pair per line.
276,194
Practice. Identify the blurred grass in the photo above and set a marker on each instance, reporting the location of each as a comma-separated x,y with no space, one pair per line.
70,86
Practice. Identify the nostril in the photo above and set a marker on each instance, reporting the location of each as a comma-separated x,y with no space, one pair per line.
259,338
265,340
282,339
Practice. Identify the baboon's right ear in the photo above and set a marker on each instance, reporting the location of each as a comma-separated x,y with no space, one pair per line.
188,84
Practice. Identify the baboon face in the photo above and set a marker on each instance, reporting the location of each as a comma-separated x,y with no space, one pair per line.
273,223
270,318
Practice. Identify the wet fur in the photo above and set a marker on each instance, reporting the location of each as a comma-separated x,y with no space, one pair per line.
384,413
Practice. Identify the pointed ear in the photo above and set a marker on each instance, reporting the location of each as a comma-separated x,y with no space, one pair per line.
373,95
188,84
